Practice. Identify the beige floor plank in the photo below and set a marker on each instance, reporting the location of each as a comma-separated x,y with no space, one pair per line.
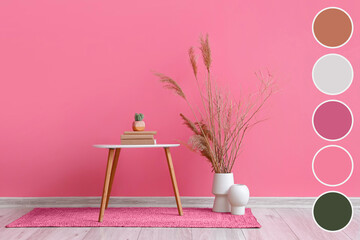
303,225
353,229
7,216
113,233
165,234
272,226
59,233
217,234
18,233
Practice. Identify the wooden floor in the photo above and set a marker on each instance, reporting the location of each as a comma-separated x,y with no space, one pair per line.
277,224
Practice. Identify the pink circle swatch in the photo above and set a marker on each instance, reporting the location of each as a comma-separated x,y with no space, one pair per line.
332,165
332,120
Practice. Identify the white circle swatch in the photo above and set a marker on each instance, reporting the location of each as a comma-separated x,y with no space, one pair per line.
332,74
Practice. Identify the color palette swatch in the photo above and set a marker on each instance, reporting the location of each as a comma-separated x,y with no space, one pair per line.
332,165
332,120
332,27
332,211
332,74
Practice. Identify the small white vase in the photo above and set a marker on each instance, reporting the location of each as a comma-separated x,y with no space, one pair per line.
221,184
238,197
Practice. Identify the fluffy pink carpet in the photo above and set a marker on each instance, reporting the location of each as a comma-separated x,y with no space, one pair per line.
134,217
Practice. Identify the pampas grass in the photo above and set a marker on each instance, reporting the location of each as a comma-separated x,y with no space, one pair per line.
193,61
219,128
171,84
205,51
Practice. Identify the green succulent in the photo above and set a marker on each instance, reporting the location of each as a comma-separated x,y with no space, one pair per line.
139,116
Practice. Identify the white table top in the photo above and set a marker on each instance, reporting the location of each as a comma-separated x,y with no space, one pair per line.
112,146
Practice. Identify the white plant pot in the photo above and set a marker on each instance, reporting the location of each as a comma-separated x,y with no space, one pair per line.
238,197
221,184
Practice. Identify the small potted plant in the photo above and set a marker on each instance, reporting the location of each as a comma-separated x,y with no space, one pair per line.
138,124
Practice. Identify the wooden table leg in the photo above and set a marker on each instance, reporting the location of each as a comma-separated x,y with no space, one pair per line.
106,183
113,170
173,180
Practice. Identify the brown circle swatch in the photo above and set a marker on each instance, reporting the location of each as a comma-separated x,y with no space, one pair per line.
332,27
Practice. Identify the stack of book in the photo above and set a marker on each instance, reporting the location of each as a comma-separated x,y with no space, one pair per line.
138,138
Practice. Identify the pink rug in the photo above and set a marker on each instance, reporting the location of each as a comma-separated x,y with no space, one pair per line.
134,217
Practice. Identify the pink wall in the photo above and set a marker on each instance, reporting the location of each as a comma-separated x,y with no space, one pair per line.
74,72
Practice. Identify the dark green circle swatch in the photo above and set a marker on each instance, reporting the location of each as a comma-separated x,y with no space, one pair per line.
332,211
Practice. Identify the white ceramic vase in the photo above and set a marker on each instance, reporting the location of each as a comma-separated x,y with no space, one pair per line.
221,184
238,197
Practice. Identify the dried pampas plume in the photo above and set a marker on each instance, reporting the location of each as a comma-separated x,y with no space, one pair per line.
171,84
189,124
205,51
193,61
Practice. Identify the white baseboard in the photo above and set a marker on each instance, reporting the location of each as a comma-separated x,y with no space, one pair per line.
257,202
